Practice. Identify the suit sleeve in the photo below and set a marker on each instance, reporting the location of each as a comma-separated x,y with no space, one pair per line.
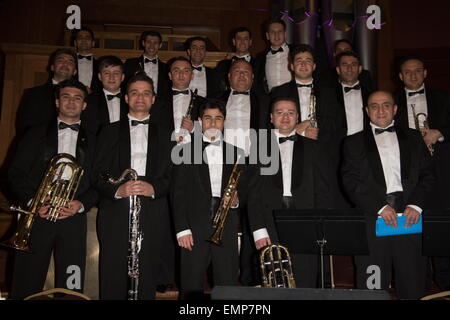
180,184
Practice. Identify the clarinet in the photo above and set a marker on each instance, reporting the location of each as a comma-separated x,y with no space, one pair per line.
189,109
135,235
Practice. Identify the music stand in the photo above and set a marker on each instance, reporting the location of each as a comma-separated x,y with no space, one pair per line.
323,232
436,235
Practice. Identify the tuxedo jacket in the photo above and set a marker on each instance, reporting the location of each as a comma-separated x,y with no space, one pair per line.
134,65
34,152
365,92
96,85
191,191
162,110
363,175
309,187
96,114
259,105
438,104
37,107
329,114
223,68
260,71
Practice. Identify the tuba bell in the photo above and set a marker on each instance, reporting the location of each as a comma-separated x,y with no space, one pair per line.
56,190
276,267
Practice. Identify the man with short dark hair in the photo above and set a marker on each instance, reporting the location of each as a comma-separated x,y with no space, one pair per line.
84,42
138,143
67,235
204,78
387,170
108,105
272,66
149,62
37,105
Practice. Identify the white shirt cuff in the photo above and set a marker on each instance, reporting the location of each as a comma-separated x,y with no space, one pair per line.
81,209
441,139
183,233
418,209
260,234
381,210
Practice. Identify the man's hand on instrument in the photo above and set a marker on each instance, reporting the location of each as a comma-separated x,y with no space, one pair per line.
187,124
390,216
431,136
301,127
312,133
72,208
261,243
43,211
142,188
186,242
412,216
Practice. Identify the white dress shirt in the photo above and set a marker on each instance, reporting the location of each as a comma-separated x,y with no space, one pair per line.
214,155
113,106
151,69
180,107
199,81
353,109
85,68
389,151
237,124
277,68
286,156
304,96
138,146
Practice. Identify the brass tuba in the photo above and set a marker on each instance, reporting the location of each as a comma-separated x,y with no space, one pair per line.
425,124
218,222
55,190
276,267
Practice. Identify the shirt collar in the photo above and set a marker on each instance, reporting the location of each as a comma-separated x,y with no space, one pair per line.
346,85
377,127
408,91
304,83
59,120
279,135
130,117
109,92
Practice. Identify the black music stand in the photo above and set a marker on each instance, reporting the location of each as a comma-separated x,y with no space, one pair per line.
435,233
323,232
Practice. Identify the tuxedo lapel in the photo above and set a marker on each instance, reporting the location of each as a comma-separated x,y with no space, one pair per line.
51,147
254,111
297,163
152,150
432,107
81,148
374,157
405,153
293,92
403,109
124,145
278,177
341,100
227,168
203,172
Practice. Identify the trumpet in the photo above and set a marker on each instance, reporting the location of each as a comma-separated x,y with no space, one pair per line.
425,124
230,192
135,234
276,267
312,109
54,191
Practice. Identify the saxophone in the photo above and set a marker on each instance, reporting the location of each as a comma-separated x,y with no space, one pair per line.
135,235
230,192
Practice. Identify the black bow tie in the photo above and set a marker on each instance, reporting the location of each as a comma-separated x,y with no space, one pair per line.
348,89
175,92
280,49
410,94
199,69
304,85
151,60
112,96
74,127
137,122
241,92
84,57
389,129
290,138
207,143
236,58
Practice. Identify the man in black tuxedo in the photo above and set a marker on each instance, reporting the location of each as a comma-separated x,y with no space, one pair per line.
198,183
272,65
290,180
108,105
38,103
242,41
67,236
204,79
435,104
149,62
388,170
138,143
83,40
330,77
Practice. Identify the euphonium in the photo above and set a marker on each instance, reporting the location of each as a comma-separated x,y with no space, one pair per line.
135,235
425,124
55,191
230,192
276,267
312,109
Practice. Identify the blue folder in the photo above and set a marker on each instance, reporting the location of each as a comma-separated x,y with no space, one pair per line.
382,229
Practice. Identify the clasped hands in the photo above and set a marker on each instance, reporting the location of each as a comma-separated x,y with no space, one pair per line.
390,216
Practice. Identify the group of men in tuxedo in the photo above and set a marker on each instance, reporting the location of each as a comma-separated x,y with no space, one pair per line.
147,111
